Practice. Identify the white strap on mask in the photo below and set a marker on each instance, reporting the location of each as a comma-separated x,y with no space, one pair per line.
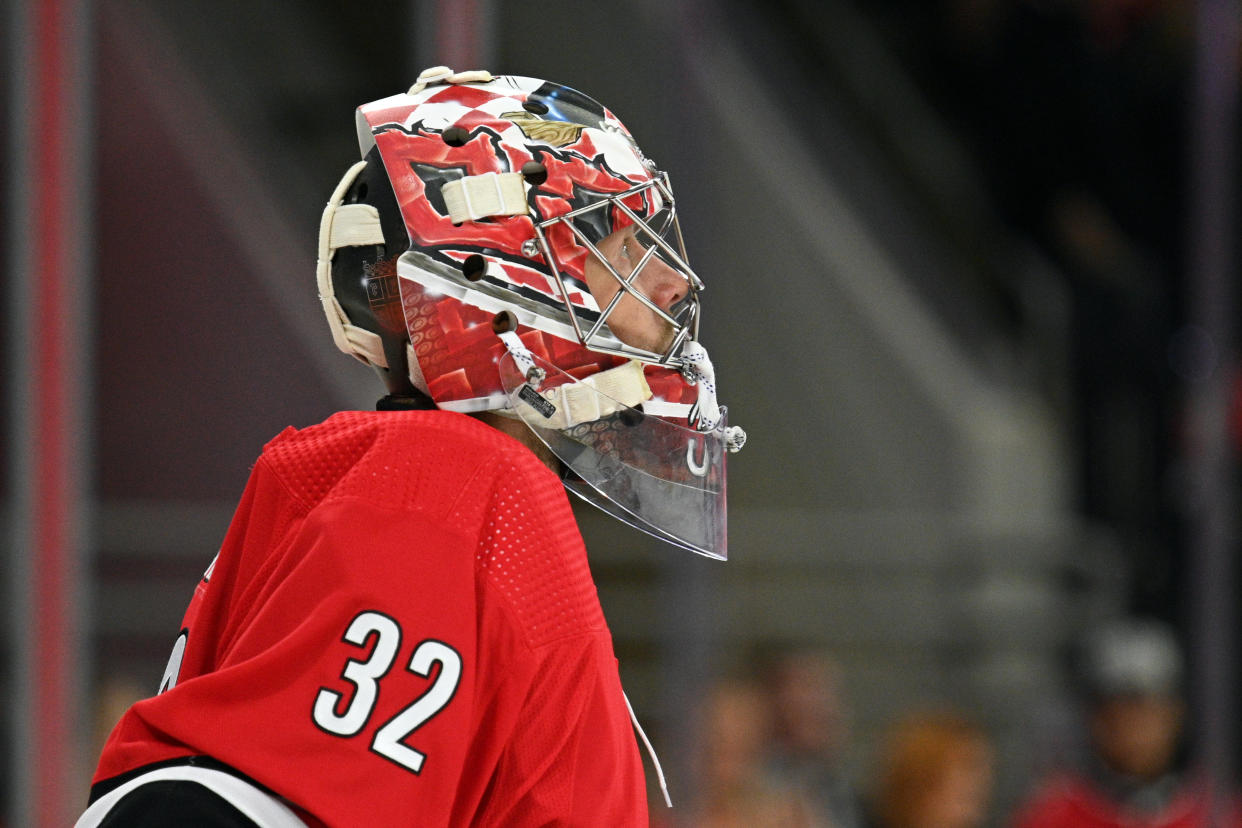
347,225
490,194
705,414
594,398
437,75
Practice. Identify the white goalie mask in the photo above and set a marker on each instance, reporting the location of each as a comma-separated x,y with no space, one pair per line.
505,246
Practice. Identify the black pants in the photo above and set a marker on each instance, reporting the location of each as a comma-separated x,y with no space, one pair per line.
174,802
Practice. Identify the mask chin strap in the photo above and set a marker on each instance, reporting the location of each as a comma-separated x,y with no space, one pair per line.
598,396
579,402
706,413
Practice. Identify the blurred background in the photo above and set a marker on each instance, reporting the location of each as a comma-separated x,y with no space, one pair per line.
970,276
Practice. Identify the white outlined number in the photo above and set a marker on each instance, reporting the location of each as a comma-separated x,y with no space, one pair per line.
388,739
335,714
363,675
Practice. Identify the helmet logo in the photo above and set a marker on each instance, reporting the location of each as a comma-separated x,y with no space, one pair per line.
555,133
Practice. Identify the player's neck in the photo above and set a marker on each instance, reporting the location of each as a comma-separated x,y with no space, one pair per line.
520,432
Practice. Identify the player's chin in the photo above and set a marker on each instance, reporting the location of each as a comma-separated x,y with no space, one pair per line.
663,340
652,335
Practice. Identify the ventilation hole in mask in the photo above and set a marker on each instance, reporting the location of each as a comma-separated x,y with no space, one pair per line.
473,267
504,321
455,136
534,173
535,108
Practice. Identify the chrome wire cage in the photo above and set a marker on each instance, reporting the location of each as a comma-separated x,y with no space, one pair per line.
664,239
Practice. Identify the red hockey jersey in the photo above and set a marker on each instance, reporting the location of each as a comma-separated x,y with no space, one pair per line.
400,629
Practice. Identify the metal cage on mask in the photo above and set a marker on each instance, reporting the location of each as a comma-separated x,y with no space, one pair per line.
660,237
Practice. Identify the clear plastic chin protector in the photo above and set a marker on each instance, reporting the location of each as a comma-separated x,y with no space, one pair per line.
664,479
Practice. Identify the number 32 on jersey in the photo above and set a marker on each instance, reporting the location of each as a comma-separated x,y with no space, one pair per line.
347,715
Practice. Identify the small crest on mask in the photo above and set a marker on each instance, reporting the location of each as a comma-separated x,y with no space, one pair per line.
556,133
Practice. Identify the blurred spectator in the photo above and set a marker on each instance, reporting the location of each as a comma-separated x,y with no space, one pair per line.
734,791
936,771
1131,774
810,734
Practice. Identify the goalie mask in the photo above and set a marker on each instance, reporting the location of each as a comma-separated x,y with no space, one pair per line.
505,246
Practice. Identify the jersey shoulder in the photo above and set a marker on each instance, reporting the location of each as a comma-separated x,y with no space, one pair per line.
456,470
392,458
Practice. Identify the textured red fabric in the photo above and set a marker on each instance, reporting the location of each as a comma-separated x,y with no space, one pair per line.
465,543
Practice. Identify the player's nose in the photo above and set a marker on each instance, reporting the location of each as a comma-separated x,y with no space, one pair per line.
663,285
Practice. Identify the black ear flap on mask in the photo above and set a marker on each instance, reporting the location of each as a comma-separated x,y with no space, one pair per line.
364,278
